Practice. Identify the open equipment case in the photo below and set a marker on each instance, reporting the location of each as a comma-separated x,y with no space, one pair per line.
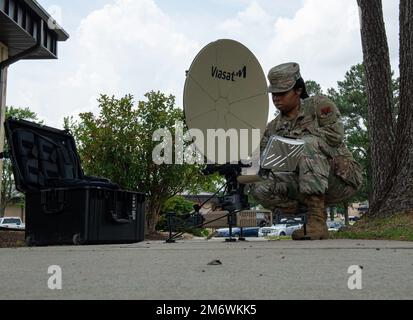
63,206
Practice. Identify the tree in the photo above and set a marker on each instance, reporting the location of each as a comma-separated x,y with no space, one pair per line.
351,99
313,88
390,137
9,194
118,145
178,205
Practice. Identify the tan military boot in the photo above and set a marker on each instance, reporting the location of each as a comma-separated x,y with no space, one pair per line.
316,221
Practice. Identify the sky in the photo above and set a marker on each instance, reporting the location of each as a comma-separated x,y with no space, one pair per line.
120,47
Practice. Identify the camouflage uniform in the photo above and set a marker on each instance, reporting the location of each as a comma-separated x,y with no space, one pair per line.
326,166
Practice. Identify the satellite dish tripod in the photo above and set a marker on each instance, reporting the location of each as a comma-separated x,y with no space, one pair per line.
234,200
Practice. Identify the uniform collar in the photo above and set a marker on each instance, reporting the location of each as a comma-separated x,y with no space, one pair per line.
301,113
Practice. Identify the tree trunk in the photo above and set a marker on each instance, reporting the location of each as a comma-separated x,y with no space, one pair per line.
379,92
400,196
152,216
391,152
7,187
2,209
4,54
346,220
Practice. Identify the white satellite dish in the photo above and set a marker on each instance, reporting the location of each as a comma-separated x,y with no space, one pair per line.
226,89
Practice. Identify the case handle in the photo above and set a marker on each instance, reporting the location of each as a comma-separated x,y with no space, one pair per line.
113,212
116,219
43,202
53,211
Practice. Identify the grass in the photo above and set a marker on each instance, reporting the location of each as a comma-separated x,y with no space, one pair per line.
278,238
396,227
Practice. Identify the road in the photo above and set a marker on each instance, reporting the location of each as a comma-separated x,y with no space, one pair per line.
255,269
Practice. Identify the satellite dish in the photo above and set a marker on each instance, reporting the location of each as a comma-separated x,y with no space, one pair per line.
226,89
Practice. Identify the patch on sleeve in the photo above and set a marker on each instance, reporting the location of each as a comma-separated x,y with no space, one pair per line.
326,110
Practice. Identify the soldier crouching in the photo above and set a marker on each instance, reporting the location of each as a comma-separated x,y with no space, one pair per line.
327,173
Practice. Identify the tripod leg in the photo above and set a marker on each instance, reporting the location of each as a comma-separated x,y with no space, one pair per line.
230,239
170,240
241,236
305,229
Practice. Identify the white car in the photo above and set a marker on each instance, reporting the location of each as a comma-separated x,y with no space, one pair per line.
12,223
335,226
282,229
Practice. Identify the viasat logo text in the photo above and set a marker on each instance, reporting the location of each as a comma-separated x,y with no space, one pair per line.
228,75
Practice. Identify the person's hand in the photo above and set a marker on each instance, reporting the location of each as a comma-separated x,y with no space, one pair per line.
294,134
281,188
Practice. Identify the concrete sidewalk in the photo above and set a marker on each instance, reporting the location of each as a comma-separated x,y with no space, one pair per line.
256,269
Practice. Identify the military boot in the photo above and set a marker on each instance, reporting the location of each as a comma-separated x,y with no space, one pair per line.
316,220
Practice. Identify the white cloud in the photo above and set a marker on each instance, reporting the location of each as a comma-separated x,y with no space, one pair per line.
252,26
323,37
253,15
129,46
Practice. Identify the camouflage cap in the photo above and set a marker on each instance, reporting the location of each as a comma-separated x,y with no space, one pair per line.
283,77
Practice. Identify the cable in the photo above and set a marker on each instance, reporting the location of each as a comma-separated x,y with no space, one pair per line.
204,224
200,206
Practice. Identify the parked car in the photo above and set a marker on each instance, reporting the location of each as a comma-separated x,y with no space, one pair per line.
335,225
281,229
291,220
236,232
12,223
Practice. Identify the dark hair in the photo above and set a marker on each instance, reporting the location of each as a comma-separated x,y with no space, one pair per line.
300,84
